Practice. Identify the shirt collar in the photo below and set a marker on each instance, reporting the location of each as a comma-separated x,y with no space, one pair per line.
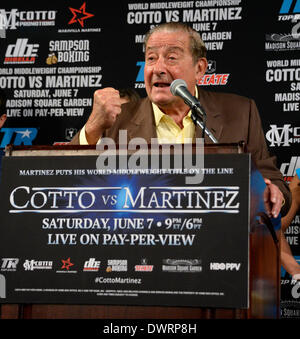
158,114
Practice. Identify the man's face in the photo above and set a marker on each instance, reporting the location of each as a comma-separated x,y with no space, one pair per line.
168,57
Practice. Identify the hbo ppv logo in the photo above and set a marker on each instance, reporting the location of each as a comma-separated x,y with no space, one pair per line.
215,266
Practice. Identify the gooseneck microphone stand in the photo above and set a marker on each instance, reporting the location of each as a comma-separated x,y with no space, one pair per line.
199,118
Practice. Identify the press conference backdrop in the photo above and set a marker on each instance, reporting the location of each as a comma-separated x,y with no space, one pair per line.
54,55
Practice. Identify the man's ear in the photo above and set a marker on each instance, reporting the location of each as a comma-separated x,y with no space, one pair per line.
201,68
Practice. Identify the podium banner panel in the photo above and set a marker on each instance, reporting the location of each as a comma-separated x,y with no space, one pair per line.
74,234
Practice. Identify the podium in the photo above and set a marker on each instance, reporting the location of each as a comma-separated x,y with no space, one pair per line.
262,274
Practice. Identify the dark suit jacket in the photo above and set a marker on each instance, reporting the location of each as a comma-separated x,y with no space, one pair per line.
231,118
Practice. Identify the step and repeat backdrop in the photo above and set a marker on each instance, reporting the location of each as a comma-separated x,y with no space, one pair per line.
54,55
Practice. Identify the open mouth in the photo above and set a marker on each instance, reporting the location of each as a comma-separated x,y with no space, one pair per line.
161,84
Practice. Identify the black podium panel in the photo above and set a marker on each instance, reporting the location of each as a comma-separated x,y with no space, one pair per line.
72,234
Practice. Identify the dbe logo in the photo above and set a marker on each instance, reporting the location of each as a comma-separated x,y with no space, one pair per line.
288,169
287,6
283,136
91,265
21,53
18,136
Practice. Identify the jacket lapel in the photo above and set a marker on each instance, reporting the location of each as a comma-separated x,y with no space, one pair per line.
214,120
142,124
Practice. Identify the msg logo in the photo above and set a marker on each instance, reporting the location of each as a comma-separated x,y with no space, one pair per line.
296,290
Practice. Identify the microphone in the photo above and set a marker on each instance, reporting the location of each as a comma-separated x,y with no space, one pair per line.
179,88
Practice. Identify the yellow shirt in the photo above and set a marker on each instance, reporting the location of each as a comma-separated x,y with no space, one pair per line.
168,132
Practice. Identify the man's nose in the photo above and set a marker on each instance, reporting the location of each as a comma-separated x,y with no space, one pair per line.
160,66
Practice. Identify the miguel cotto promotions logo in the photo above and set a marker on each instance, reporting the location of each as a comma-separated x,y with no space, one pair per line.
14,18
31,265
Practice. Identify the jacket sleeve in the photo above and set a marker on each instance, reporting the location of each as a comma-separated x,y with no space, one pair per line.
265,163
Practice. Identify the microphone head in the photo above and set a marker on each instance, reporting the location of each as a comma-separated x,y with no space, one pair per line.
176,84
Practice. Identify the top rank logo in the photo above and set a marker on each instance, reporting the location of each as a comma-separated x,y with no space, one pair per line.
21,52
289,10
287,7
9,264
18,136
140,75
